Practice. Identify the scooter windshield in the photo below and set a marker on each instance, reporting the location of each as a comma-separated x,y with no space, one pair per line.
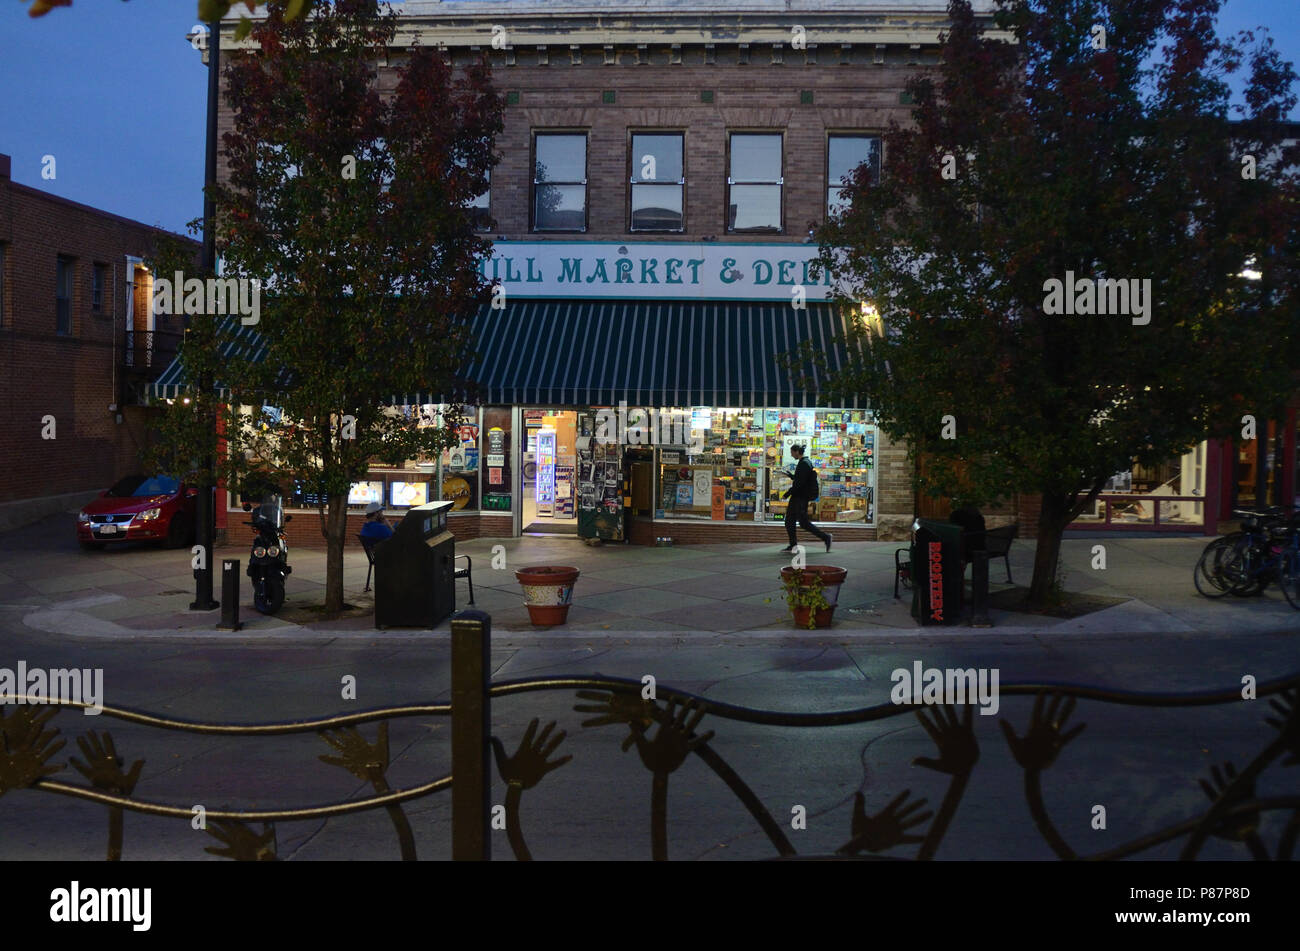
271,512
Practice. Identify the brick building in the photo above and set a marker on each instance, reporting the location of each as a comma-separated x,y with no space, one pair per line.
662,165
77,346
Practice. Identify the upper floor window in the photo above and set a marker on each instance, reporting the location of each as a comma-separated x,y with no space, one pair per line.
560,181
63,296
98,279
844,153
754,182
479,207
658,182
2,285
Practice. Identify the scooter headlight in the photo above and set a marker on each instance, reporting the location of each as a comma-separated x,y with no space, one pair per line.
273,550
259,552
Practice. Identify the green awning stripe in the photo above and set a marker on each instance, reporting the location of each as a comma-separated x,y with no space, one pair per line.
649,353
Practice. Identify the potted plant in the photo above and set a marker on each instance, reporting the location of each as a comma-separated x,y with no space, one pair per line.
548,592
812,593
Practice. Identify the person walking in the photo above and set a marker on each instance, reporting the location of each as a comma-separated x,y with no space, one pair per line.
803,491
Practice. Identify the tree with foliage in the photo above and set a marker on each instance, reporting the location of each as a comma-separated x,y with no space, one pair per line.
1100,144
351,206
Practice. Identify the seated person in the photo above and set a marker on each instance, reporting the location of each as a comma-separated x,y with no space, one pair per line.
375,527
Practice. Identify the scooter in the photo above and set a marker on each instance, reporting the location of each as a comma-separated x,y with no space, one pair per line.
268,563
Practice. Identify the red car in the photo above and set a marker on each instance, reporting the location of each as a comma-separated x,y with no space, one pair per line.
140,509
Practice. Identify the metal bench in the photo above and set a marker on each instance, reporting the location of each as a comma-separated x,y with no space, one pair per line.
997,542
369,545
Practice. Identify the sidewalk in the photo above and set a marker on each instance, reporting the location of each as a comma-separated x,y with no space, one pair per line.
699,593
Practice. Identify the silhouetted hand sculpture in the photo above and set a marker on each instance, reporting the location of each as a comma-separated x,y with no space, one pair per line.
1241,827
674,740
886,828
26,747
360,757
617,707
958,749
529,764
1044,739
241,843
103,767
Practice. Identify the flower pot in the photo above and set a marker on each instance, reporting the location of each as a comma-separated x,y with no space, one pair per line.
805,585
548,592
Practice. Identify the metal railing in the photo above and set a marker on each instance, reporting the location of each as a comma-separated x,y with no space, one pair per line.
665,732
1152,512
150,350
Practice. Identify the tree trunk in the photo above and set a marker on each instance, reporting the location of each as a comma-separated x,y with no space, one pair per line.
1051,525
335,536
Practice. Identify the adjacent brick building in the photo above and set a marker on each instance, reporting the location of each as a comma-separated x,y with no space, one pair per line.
77,344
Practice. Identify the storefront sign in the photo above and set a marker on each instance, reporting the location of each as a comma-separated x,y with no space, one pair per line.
661,271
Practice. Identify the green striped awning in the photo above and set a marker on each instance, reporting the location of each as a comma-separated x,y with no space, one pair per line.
648,353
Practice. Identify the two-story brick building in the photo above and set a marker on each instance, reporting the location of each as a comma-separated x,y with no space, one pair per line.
78,343
661,169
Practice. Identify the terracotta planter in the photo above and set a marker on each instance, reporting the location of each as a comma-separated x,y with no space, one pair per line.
831,577
548,592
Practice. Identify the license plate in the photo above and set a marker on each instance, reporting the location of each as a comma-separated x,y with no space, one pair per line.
108,529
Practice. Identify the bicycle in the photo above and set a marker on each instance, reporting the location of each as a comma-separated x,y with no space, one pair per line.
1244,563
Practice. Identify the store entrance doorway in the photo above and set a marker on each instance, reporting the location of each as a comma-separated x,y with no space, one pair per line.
549,476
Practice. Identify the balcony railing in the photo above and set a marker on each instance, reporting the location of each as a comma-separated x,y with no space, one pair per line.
150,351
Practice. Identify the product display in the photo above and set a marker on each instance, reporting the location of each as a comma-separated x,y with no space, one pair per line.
747,454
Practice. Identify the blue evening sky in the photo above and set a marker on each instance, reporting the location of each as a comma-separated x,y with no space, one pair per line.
116,94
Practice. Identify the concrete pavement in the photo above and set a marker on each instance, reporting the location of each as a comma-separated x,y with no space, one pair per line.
124,612
705,593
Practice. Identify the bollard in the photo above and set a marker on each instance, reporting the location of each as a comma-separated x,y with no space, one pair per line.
979,583
229,595
471,729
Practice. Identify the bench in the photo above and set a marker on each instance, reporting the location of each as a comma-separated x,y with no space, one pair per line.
997,542
369,544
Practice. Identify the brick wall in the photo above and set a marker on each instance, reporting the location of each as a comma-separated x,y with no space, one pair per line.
74,378
304,530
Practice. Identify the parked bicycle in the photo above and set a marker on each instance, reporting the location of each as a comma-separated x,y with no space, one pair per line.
1265,551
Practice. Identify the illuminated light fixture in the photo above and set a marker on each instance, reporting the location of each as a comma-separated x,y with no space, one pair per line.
1249,272
870,319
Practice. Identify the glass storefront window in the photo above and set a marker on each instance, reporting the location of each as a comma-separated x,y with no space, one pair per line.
743,464
413,482
1145,491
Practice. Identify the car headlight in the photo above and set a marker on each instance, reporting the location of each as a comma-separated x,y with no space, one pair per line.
273,550
259,552
83,517
149,514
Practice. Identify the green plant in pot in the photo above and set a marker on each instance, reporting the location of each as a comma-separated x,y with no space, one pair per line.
807,590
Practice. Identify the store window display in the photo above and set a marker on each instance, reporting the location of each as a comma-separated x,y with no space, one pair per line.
745,465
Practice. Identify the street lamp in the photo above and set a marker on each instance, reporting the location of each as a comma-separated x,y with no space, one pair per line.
207,39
